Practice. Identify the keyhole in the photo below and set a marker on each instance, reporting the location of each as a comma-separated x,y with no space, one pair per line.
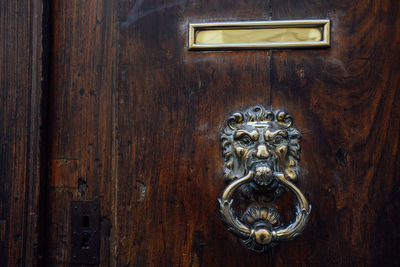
85,240
85,221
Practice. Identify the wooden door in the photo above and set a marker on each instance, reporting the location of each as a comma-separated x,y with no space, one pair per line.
134,122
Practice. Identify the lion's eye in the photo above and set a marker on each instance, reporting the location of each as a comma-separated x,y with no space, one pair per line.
278,139
245,140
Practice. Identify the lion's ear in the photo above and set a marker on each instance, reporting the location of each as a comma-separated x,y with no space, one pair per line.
235,120
284,118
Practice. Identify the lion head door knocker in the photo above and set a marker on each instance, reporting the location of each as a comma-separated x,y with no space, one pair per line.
261,152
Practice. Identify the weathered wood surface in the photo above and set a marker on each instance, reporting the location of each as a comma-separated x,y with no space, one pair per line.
80,120
346,102
171,105
134,121
21,130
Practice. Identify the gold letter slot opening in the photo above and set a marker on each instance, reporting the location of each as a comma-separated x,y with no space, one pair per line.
259,34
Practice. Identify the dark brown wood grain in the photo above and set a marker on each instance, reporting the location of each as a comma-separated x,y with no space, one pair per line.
134,121
346,102
171,105
80,120
22,101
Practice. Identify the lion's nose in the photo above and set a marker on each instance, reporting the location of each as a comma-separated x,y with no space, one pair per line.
262,151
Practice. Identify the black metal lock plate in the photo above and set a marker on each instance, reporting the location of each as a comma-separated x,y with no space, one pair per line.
85,234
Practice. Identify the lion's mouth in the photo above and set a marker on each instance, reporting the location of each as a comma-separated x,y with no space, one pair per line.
263,175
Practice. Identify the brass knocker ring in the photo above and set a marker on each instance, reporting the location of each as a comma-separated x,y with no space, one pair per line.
263,236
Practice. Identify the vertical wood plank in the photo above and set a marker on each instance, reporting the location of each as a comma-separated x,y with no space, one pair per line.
345,100
22,98
80,120
171,105
37,173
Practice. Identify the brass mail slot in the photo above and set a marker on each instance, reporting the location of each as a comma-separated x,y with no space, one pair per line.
259,34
